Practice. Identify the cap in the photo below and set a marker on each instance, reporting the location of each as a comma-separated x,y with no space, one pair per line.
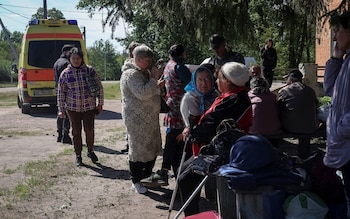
216,40
295,74
236,72
67,47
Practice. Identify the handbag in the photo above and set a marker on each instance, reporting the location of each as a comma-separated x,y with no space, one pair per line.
93,86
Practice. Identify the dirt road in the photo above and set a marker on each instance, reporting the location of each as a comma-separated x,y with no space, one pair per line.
31,158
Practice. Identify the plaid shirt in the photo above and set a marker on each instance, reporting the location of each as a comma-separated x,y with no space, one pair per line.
73,92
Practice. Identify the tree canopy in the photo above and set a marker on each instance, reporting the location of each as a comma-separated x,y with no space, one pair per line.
246,24
51,14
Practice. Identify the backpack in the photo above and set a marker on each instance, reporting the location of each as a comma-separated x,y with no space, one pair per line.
217,153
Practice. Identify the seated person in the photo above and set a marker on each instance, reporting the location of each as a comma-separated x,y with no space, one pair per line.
234,103
255,71
266,115
298,106
200,94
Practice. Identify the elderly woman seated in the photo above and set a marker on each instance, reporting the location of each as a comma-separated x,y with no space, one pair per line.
266,113
232,103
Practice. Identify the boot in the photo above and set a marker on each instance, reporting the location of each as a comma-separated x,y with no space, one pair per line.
59,137
66,139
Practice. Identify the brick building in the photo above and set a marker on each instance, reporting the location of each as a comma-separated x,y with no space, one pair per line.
324,43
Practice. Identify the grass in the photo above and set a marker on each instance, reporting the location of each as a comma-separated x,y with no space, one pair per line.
7,84
111,91
19,133
38,177
8,99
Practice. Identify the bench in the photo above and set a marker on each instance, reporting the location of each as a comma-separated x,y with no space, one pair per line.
303,139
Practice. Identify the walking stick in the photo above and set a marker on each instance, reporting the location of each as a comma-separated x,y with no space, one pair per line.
173,196
199,187
193,120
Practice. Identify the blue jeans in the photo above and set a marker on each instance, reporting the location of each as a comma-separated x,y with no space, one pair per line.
346,180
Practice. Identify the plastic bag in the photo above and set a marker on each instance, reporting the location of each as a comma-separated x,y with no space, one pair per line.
305,205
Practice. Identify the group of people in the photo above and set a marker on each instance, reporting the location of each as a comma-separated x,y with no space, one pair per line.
222,87
198,102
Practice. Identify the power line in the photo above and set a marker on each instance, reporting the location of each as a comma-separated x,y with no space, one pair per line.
14,12
10,18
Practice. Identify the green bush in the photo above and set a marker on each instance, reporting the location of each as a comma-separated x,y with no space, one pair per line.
325,100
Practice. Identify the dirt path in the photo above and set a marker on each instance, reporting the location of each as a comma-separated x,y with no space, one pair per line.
38,178
92,191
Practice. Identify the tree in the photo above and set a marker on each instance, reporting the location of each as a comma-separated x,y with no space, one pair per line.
101,53
51,14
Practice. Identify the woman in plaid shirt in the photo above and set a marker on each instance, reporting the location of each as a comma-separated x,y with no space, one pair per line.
74,98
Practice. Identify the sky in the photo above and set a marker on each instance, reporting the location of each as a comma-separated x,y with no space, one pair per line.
15,15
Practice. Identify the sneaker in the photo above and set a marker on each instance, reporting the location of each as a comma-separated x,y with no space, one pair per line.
66,139
92,156
78,161
138,187
160,178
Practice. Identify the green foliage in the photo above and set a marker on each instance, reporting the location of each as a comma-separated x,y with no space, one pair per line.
246,24
51,14
103,58
325,100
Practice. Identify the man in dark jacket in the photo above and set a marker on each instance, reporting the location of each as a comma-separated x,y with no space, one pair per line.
63,124
269,57
222,52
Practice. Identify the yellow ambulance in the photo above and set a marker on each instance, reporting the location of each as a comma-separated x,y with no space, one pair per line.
41,47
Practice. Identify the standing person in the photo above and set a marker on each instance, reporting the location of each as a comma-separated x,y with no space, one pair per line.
222,52
269,57
63,124
75,99
131,48
140,91
337,86
176,76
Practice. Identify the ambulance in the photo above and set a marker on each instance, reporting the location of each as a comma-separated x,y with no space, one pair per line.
41,47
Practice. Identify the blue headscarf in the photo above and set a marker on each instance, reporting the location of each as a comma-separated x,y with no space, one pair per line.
193,87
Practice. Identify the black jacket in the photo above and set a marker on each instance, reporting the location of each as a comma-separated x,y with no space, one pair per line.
60,64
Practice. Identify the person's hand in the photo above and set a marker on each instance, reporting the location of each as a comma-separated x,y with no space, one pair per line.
155,73
161,83
266,46
62,115
179,138
99,108
338,53
185,133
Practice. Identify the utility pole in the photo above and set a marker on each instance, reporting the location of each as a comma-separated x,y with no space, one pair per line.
45,9
105,64
13,50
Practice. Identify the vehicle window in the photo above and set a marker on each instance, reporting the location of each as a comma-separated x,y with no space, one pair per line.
43,54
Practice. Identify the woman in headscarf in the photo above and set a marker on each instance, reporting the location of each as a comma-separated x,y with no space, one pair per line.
200,94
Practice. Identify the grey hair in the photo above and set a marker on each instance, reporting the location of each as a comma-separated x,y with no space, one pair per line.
142,51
